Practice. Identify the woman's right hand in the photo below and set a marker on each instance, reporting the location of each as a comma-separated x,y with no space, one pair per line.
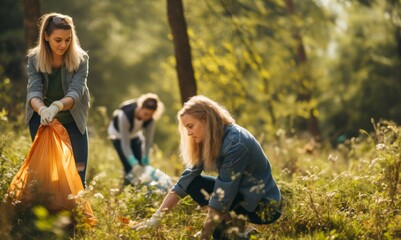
152,222
43,113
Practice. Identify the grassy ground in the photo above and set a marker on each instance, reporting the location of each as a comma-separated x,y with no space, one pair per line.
350,192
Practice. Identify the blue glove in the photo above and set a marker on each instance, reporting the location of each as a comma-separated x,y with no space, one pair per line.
132,160
145,160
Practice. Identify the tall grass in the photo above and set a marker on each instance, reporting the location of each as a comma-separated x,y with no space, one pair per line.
348,192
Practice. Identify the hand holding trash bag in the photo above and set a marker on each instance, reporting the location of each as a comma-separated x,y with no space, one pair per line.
47,114
49,175
43,115
57,86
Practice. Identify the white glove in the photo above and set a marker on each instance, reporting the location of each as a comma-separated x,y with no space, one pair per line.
43,115
137,170
41,110
135,174
152,222
47,115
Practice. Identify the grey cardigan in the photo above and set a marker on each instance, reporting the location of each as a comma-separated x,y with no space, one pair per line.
74,86
242,168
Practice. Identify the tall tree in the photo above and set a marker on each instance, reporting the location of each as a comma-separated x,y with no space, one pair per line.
182,49
31,11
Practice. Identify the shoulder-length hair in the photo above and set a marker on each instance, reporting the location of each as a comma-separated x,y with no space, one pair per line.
150,101
72,57
216,117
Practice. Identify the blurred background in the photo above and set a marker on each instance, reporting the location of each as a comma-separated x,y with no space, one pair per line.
319,69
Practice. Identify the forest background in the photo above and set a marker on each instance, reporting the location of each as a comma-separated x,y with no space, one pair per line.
317,82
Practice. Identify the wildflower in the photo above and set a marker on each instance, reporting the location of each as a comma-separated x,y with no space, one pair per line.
62,221
98,195
5,198
258,188
280,132
235,176
333,158
114,190
205,193
81,194
216,218
233,230
380,146
220,193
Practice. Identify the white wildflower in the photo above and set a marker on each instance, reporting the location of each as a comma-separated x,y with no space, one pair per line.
220,193
81,194
98,195
114,190
333,158
205,193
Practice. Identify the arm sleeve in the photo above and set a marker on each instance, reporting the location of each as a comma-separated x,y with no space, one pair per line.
79,82
149,133
180,188
123,126
230,175
35,82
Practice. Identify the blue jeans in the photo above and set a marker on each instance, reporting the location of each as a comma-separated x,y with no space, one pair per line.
78,140
136,146
266,212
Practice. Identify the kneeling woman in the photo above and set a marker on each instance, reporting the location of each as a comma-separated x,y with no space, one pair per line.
211,141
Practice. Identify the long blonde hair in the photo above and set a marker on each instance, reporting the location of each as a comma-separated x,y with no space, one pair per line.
216,117
72,57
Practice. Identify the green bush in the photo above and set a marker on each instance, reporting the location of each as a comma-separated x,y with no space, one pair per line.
348,192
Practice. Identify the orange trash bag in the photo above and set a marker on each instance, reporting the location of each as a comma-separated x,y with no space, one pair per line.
48,175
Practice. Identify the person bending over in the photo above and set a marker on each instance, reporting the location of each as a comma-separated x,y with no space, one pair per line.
211,141
133,124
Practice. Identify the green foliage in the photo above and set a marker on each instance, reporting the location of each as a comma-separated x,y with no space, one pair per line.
348,192
352,201
244,57
12,54
358,89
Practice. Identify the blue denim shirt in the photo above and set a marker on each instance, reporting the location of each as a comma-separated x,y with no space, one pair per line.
242,168
74,86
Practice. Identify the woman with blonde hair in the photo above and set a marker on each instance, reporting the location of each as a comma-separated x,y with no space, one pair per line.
211,141
57,84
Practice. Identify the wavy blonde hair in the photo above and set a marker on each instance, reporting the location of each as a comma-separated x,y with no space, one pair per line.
72,57
216,117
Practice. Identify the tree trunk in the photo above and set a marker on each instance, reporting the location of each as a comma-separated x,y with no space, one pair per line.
31,11
182,49
301,60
